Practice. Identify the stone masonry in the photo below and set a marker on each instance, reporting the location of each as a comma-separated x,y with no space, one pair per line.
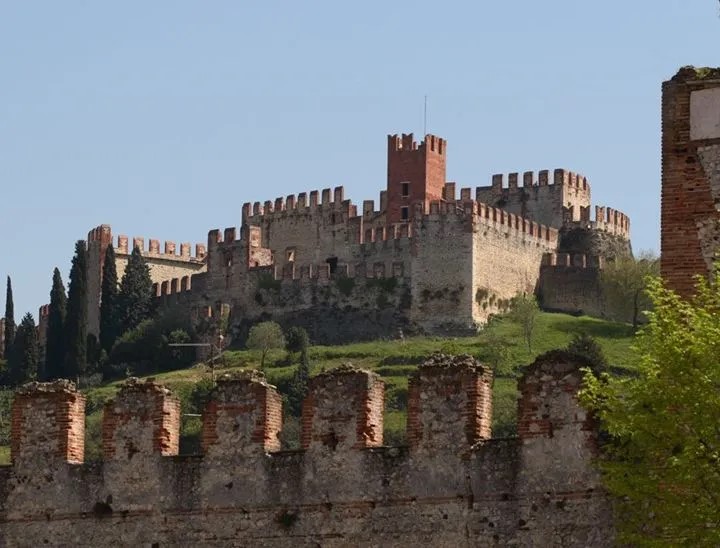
690,235
425,260
454,485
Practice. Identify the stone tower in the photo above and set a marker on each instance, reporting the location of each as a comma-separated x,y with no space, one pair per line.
690,233
416,173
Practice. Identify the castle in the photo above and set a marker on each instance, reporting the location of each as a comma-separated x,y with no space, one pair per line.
422,260
453,485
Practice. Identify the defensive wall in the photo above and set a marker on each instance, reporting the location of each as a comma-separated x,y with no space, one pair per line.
453,485
570,283
421,276
165,264
690,234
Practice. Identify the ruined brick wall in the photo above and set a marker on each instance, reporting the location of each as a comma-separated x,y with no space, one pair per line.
571,284
453,486
690,233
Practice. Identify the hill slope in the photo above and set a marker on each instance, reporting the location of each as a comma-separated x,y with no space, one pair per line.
394,361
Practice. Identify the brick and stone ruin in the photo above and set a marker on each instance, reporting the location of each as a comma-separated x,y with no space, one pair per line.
453,485
424,260
690,236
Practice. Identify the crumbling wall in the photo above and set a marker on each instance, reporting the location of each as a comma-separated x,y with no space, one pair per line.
453,486
690,234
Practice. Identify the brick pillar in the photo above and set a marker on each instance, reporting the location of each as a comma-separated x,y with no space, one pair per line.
144,418
48,424
343,410
243,416
548,398
449,403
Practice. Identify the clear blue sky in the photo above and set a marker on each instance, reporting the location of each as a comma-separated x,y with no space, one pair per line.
161,118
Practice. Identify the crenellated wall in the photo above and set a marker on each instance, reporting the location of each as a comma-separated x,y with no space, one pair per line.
166,265
552,203
452,486
570,283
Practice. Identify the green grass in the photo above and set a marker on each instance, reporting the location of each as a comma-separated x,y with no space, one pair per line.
394,361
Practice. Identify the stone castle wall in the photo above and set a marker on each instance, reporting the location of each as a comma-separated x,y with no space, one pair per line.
690,234
172,262
452,486
571,283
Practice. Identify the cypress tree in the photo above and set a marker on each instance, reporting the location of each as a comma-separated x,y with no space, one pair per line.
136,298
76,320
109,305
55,339
9,319
24,355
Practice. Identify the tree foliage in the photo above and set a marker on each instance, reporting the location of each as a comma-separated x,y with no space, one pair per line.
585,345
136,297
109,302
76,320
623,283
524,312
297,342
23,359
55,338
265,336
663,459
9,319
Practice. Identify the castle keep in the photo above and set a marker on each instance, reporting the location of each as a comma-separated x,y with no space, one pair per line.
423,259
452,486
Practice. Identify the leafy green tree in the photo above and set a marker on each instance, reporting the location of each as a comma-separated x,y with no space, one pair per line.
55,338
662,462
623,283
585,345
109,302
524,312
265,336
135,297
296,340
76,319
24,355
495,352
9,319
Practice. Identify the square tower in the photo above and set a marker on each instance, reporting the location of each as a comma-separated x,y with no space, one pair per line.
416,174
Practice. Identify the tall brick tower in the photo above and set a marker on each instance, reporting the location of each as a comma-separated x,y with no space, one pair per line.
690,235
416,173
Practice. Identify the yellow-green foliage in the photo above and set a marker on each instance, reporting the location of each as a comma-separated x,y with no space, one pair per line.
663,458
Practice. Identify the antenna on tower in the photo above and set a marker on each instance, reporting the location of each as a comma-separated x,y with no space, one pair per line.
425,117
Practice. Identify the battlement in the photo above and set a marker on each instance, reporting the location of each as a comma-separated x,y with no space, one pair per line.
578,260
451,484
449,409
492,217
170,252
322,272
606,219
560,177
407,143
326,201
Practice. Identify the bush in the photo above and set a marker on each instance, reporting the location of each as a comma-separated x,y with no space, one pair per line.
585,345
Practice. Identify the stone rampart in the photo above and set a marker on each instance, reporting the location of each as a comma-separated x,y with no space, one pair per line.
550,202
452,486
570,283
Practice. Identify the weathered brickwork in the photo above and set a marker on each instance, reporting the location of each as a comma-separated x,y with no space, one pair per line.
452,486
690,235
427,260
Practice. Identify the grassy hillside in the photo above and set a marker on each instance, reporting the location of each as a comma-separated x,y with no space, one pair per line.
394,361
